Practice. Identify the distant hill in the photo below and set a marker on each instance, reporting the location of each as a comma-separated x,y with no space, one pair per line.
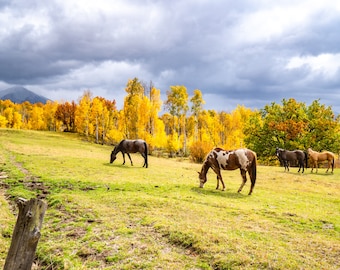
19,94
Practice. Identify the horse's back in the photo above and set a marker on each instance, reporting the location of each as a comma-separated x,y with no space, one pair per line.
328,154
132,146
245,157
324,155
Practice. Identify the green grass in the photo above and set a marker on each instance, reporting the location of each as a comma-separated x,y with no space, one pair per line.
110,216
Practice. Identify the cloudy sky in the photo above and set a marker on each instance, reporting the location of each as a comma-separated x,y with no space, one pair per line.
243,52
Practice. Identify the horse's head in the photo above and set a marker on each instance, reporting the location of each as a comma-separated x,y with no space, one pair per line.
203,178
279,151
113,156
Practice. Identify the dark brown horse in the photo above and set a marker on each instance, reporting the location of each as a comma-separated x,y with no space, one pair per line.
317,157
286,157
217,159
131,146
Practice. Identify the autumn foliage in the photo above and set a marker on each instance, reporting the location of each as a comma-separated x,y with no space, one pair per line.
184,127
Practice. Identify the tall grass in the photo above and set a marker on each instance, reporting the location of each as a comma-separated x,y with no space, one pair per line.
110,216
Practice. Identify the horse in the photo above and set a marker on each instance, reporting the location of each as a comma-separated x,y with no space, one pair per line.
131,146
286,156
217,159
319,157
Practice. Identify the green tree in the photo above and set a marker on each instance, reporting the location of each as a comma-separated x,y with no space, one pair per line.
291,125
322,128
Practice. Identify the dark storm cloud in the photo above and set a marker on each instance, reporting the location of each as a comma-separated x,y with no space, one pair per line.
234,52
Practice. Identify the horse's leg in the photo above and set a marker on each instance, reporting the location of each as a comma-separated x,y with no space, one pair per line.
129,158
286,165
123,158
252,180
301,166
244,179
145,163
219,178
223,186
328,165
313,164
316,166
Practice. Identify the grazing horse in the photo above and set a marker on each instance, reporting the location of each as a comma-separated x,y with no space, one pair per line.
286,156
131,146
218,159
319,157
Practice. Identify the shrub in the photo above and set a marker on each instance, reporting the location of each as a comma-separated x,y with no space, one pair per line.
199,150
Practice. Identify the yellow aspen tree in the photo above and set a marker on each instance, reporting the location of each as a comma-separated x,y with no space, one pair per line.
82,114
239,118
177,104
144,119
191,130
196,108
225,133
117,130
3,121
8,114
107,118
49,115
153,127
95,115
36,121
159,139
212,127
17,123
25,111
132,102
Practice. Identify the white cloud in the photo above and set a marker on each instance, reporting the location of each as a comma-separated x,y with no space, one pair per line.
326,64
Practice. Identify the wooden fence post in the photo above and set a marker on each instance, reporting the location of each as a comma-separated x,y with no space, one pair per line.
26,234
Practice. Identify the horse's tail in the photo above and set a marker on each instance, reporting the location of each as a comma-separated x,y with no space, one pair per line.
253,174
333,161
253,169
146,154
306,158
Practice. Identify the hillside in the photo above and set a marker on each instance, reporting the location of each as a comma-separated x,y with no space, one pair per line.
19,94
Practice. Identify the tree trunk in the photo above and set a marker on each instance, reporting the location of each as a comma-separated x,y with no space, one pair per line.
26,234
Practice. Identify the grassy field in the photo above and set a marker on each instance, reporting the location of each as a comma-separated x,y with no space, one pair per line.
110,216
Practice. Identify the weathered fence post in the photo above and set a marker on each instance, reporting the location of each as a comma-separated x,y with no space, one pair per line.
26,234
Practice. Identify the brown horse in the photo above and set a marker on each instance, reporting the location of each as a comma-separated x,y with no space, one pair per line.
217,159
131,146
317,157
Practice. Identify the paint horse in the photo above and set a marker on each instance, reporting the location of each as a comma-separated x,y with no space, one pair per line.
317,157
286,156
217,159
131,146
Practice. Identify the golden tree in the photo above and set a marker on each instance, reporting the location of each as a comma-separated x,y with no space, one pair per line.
82,114
132,103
